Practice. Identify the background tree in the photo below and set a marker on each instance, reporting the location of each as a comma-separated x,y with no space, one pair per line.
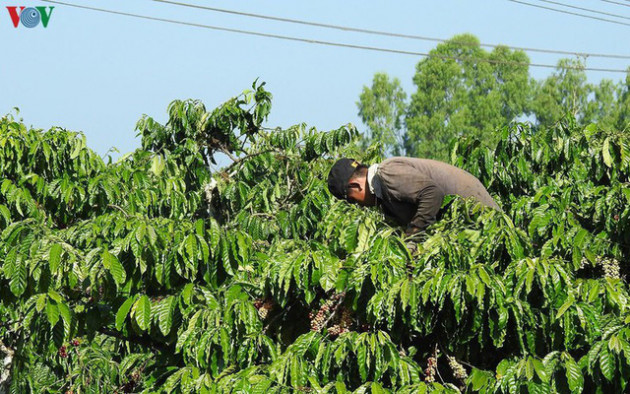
567,93
603,104
464,90
623,114
382,107
564,92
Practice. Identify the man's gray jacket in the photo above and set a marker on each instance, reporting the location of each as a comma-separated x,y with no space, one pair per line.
411,190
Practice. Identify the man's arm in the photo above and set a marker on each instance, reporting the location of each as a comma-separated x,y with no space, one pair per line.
428,203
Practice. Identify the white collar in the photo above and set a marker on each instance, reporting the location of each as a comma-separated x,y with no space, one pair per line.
373,181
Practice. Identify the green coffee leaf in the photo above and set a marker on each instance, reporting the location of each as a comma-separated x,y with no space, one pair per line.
54,258
123,311
142,312
114,266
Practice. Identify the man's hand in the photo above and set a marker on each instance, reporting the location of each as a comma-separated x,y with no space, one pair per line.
414,235
412,247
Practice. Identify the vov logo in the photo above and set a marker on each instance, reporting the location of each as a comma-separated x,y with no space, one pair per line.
30,16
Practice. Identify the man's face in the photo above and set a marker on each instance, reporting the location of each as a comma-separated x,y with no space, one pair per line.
356,196
358,192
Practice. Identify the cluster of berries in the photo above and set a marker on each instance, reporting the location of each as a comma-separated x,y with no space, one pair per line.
63,350
319,319
134,380
611,268
264,306
458,370
342,322
336,330
429,373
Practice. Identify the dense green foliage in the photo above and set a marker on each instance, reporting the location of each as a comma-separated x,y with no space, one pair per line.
464,90
153,274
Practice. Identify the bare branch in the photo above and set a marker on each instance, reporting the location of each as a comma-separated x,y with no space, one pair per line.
120,209
239,160
228,154
263,215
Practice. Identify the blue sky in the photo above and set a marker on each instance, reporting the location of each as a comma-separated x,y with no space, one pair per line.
98,73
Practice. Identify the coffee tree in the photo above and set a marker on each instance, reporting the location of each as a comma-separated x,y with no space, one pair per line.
154,273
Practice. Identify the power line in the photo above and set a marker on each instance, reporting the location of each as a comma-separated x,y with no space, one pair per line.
616,2
334,44
570,13
584,9
380,32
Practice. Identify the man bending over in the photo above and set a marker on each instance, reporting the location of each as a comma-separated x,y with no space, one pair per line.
408,190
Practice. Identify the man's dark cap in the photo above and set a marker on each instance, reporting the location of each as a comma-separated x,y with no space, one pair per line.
339,176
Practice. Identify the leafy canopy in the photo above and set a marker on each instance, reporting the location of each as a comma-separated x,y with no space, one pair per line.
153,274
